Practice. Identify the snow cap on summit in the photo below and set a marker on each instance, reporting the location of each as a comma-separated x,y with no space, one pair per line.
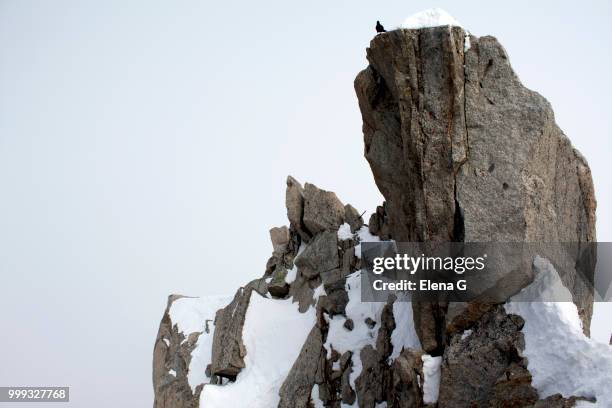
433,17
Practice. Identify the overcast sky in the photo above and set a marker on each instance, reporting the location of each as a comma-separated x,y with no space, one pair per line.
144,147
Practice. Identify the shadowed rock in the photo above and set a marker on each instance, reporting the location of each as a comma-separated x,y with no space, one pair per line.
406,379
472,365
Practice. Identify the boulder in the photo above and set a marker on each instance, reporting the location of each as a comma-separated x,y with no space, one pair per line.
322,210
321,255
474,363
406,380
349,324
278,286
228,349
294,201
352,218
280,238
379,223
336,299
370,386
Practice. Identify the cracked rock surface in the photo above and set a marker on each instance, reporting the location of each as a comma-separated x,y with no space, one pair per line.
462,151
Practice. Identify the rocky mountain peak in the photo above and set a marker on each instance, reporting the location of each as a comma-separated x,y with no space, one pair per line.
461,151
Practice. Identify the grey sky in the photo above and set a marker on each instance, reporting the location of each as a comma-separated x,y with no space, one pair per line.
144,147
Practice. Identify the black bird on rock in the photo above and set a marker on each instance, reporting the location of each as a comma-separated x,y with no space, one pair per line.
380,28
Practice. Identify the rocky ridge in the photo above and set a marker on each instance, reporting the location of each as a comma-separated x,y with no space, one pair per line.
461,151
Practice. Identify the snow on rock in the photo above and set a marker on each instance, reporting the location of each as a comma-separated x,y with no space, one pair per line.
404,335
192,315
364,236
561,358
466,334
343,340
292,273
433,17
273,334
318,292
314,396
431,382
344,232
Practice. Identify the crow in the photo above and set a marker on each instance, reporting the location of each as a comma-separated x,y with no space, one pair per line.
380,28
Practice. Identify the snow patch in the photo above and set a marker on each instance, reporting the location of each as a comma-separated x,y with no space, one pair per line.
314,396
433,17
192,315
291,275
318,292
467,333
344,232
561,358
431,382
343,340
364,236
404,335
273,334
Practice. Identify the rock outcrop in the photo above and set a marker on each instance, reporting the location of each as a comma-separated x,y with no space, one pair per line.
171,358
461,151
228,350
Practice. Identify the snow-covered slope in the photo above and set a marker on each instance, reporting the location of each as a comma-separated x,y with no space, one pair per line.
561,358
273,334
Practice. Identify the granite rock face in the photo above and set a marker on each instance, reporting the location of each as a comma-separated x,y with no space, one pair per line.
462,151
